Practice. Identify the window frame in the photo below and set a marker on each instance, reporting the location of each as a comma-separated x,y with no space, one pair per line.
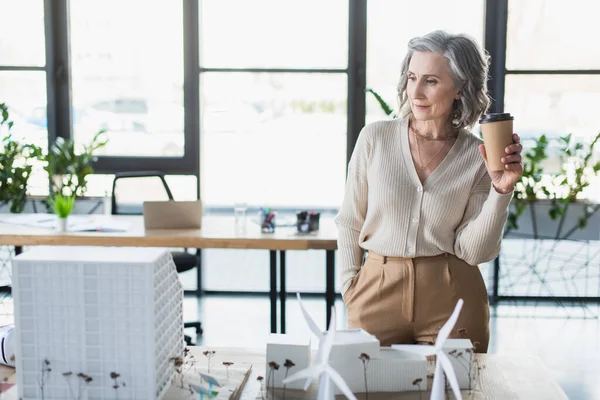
30,68
48,22
58,60
496,32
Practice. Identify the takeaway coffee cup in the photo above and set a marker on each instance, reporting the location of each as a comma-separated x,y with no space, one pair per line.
497,130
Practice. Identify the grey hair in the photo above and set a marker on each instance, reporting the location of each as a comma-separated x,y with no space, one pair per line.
469,66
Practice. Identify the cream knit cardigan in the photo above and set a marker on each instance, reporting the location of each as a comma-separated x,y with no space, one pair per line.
387,210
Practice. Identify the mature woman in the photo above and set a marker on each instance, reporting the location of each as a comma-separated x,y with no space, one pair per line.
421,201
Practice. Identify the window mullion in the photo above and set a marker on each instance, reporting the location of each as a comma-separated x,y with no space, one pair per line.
496,22
58,69
357,71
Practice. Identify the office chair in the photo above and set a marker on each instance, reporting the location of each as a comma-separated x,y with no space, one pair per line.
183,260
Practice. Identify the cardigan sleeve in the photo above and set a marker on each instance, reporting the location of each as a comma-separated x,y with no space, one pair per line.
479,234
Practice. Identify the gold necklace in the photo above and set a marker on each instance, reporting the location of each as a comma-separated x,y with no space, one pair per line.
449,136
423,167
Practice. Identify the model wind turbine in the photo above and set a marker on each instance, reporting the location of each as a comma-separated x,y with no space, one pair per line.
443,365
327,375
315,330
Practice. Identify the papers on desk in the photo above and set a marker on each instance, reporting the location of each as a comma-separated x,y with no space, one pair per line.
76,223
105,224
27,219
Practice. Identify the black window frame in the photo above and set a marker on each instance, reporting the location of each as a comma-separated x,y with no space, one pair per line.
60,94
35,68
496,44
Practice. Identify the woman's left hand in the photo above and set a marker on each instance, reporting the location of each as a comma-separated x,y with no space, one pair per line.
504,181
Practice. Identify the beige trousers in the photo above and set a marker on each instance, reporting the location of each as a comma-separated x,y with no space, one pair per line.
407,300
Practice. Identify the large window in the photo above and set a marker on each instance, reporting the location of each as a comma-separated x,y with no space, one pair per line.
273,97
22,33
552,82
276,139
274,34
127,76
273,90
23,76
552,35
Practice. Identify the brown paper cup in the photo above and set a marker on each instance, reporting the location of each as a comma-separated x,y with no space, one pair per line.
497,130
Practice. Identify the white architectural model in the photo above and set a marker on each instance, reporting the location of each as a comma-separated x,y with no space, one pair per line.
387,370
96,311
282,347
461,354
360,362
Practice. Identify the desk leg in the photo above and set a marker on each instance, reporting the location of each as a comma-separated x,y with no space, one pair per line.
282,290
199,273
273,292
330,283
495,281
18,250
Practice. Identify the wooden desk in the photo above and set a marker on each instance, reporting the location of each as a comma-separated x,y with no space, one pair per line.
218,232
501,377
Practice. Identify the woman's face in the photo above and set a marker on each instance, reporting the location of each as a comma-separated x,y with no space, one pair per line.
430,87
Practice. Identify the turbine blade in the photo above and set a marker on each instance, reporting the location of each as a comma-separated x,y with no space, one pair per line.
318,357
309,320
449,371
448,326
329,338
309,372
339,382
437,388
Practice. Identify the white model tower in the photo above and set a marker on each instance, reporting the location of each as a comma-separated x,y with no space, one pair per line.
96,312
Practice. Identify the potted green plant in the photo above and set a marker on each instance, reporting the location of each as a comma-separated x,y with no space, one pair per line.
568,205
68,168
552,206
16,163
62,207
530,184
